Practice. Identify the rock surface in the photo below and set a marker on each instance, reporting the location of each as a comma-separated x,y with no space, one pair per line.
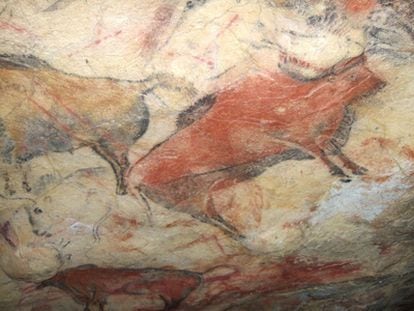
206,155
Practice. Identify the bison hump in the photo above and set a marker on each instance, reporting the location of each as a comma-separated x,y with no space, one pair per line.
196,111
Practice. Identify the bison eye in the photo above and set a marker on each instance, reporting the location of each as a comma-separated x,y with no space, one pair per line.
37,210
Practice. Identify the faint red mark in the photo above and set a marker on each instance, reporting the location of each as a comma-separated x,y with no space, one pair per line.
58,100
91,174
220,273
294,224
14,27
408,152
385,249
240,203
181,223
384,143
127,236
204,239
314,208
213,45
45,111
97,41
123,221
161,20
209,61
229,24
204,60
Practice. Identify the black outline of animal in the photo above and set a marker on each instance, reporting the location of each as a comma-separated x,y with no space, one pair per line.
58,124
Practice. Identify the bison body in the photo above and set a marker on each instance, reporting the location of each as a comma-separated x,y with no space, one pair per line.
91,285
45,110
247,127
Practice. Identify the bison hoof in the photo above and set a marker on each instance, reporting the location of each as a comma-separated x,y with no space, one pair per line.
359,170
337,171
121,189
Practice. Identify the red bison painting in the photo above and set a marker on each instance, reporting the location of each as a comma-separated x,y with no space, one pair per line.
91,285
232,135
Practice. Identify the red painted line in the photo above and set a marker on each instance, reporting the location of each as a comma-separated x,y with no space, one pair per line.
96,42
6,25
229,24
210,62
203,60
64,127
301,63
99,41
61,103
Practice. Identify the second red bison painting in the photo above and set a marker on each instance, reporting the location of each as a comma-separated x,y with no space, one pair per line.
91,286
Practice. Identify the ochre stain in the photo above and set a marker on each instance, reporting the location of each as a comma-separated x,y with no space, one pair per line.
377,179
384,143
408,152
359,6
127,236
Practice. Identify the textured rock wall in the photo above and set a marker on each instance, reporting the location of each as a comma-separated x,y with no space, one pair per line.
206,155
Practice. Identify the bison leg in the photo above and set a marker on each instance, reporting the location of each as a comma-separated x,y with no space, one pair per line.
218,222
170,304
213,217
119,165
351,165
334,169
